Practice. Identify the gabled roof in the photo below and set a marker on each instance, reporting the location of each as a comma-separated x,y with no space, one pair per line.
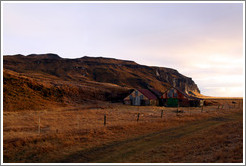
147,94
186,95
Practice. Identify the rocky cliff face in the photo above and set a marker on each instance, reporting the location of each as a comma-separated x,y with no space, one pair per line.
175,79
107,70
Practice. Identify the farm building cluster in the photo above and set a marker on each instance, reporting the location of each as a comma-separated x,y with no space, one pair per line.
173,97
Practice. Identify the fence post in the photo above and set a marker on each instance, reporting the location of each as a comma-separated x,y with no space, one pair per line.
138,117
202,109
234,103
105,119
161,113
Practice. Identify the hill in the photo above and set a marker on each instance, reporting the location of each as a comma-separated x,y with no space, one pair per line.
36,81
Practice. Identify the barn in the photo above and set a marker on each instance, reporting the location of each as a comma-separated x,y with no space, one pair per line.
174,97
141,97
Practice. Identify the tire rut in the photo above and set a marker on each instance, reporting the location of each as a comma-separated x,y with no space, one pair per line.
121,150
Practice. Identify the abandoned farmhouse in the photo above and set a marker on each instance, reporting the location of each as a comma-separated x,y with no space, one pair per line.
173,97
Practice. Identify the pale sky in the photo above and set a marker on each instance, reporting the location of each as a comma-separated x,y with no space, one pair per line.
203,41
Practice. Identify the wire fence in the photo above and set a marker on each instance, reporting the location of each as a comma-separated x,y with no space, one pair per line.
73,120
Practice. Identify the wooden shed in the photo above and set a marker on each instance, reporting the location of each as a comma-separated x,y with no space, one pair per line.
141,97
174,97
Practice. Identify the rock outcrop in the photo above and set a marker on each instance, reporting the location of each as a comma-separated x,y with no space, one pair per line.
107,70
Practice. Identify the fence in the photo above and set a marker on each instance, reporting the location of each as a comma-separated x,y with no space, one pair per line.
46,122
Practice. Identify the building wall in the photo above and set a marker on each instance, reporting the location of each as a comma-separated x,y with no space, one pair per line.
137,98
184,102
173,93
174,98
154,102
145,102
134,94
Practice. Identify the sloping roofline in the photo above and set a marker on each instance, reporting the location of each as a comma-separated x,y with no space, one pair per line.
186,95
147,93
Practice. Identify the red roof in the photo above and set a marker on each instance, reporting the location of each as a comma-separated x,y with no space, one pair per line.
147,94
185,94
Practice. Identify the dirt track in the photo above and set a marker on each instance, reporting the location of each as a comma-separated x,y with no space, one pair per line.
164,146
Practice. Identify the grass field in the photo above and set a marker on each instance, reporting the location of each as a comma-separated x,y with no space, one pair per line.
77,134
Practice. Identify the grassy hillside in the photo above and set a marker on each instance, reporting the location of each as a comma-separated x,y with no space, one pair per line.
23,92
46,80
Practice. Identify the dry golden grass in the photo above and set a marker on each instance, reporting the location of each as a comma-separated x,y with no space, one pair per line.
30,91
220,144
67,130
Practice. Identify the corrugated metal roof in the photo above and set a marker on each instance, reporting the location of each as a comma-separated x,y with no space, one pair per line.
148,94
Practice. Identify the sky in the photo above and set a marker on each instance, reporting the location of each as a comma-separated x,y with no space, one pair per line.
203,41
